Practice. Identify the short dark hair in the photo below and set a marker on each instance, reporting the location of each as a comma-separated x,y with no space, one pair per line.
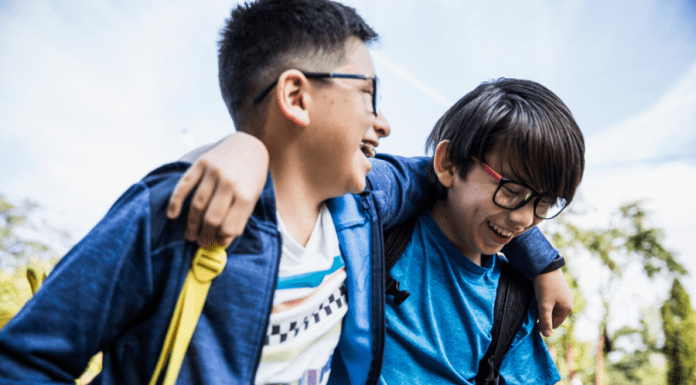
531,127
262,39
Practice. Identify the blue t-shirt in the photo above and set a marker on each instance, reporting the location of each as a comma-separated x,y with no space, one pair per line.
441,332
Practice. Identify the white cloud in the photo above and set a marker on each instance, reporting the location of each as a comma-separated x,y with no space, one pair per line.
617,174
668,128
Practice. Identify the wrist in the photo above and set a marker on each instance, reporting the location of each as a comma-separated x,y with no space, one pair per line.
554,265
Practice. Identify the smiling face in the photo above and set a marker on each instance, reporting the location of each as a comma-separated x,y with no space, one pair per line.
468,216
342,125
379,130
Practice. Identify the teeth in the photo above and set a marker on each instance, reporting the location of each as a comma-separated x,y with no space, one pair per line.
368,149
502,232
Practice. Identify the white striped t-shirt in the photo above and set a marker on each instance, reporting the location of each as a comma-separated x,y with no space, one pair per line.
308,308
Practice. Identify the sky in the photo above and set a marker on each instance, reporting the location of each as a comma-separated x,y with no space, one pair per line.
96,93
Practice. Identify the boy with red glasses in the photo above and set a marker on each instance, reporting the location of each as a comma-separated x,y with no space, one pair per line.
506,156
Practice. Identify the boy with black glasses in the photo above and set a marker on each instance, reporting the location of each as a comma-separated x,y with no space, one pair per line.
299,298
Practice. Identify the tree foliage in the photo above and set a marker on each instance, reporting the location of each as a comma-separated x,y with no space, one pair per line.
642,365
627,241
21,248
15,289
679,324
30,261
24,236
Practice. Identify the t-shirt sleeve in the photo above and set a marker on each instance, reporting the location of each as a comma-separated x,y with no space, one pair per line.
86,301
401,187
528,361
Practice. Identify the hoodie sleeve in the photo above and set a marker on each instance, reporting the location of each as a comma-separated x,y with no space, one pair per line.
87,301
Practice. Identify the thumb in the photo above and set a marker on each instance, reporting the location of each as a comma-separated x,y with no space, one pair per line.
545,320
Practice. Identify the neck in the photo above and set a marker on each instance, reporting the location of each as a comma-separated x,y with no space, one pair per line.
449,226
299,191
297,200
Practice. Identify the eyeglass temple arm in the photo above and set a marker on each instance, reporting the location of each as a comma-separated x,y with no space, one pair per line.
492,173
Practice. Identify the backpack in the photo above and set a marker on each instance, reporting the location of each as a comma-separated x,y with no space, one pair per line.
207,264
512,301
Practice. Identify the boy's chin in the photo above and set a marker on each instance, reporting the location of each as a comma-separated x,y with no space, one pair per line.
360,178
358,187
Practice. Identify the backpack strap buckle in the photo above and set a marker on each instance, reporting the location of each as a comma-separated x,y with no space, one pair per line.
393,289
208,263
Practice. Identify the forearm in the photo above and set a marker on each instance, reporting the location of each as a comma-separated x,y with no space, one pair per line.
197,152
530,253
401,187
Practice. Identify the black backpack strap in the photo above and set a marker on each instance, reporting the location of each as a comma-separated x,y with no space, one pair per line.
512,302
395,241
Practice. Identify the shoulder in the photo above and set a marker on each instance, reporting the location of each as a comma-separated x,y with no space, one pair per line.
387,169
143,206
161,182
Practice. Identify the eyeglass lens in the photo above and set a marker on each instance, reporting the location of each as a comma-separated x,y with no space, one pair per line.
512,195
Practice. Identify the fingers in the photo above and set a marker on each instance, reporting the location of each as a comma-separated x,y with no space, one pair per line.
555,300
198,206
185,185
545,319
551,317
560,313
219,209
216,212
236,219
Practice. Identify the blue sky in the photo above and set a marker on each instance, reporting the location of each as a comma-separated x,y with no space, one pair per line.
95,93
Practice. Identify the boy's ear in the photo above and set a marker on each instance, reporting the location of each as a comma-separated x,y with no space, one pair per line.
444,168
293,96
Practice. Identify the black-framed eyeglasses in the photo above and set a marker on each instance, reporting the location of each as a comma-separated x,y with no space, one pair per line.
512,195
327,75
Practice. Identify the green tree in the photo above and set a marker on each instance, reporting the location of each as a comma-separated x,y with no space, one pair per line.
25,235
627,241
15,289
645,363
20,250
30,260
679,324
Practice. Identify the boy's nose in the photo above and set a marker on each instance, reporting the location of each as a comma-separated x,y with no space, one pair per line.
382,126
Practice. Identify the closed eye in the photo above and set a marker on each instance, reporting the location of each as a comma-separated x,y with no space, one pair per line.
546,202
513,189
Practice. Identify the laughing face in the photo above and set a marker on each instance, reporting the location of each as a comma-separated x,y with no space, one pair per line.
379,130
344,129
468,216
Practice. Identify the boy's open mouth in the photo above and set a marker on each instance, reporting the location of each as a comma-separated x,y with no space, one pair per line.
501,233
368,149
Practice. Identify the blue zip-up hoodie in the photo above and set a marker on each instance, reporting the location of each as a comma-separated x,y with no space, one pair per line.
116,290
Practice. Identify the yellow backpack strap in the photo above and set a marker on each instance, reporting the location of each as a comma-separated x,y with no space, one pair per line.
35,275
207,264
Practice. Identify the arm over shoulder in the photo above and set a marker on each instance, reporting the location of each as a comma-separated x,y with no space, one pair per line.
401,186
530,252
